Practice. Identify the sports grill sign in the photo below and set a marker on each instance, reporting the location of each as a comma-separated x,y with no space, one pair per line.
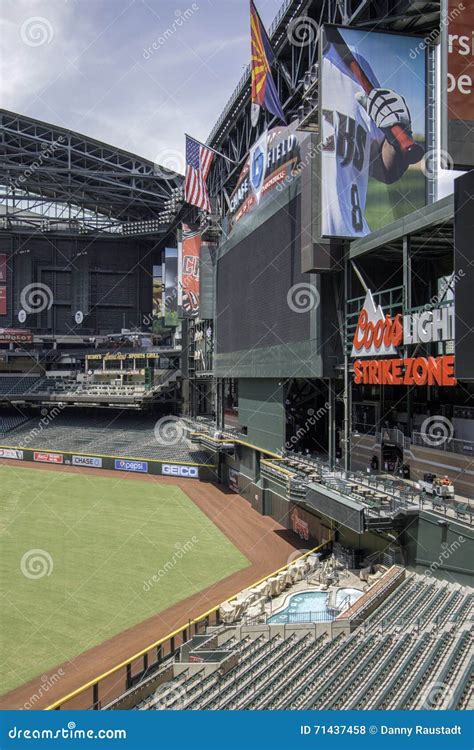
380,335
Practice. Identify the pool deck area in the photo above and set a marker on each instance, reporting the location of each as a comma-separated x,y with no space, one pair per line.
348,580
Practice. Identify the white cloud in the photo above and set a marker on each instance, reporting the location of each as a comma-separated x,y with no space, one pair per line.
92,76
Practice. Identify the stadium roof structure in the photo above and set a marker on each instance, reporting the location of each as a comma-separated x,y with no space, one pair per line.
58,172
294,35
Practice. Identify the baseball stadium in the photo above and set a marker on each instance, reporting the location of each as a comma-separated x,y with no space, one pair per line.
237,401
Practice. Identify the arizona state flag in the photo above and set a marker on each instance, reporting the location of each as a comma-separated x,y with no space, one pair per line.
264,91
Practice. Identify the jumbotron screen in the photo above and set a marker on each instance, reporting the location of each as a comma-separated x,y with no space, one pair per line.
261,297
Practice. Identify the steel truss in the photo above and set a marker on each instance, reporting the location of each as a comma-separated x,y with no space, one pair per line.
233,135
65,175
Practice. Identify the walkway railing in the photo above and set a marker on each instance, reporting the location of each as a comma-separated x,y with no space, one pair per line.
453,445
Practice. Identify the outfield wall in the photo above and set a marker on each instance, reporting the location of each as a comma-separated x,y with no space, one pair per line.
177,469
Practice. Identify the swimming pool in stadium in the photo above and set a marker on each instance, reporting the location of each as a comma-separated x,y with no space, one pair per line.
311,606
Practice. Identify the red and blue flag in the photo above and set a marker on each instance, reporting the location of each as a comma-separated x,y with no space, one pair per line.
264,91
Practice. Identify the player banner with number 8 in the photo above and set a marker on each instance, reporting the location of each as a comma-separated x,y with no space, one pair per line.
372,129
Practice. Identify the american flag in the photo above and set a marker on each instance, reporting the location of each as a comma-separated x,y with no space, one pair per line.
198,163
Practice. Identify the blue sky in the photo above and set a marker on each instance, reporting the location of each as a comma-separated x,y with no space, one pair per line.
89,65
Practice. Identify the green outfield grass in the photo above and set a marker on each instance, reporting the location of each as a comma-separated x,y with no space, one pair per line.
386,203
99,542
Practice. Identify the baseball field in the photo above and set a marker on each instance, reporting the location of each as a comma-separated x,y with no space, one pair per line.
83,557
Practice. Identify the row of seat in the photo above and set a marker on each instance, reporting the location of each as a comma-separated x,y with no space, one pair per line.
112,434
17,385
418,637
9,422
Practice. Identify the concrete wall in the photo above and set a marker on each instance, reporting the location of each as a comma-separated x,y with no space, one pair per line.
262,412
439,544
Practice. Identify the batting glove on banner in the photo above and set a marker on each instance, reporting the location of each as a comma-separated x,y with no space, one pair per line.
386,108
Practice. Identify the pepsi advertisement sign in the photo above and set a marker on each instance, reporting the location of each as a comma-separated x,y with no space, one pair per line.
138,466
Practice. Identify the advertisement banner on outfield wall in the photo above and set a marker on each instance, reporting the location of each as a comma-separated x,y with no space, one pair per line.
48,458
11,453
92,461
458,104
372,114
175,470
125,465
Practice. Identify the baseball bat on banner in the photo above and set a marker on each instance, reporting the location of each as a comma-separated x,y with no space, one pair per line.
414,151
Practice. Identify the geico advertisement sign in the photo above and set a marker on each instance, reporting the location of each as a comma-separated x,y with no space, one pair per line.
48,458
180,471
87,461
11,453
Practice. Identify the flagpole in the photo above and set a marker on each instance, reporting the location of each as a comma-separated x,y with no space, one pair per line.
218,153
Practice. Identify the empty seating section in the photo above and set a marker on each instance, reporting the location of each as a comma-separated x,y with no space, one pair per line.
418,640
18,385
111,434
69,387
9,422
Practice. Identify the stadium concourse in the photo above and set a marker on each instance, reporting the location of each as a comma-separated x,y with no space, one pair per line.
236,405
